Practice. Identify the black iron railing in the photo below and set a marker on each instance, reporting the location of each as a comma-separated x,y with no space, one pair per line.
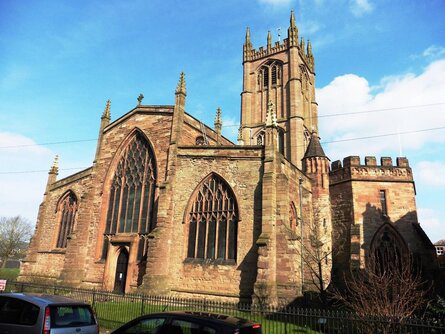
113,310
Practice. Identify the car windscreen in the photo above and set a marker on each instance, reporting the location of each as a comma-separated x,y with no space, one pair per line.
71,316
17,312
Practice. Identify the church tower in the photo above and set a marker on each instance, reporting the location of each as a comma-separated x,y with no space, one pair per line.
282,73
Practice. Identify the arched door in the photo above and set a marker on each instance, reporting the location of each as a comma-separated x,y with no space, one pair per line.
121,272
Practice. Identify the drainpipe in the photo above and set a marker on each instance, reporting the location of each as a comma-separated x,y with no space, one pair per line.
300,187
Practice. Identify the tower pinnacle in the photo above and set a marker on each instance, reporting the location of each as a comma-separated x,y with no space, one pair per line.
180,88
218,119
271,116
292,32
248,43
309,48
269,40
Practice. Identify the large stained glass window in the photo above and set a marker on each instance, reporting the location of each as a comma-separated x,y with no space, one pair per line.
213,221
67,208
130,208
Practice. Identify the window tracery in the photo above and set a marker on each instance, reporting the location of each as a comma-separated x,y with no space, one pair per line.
269,73
260,138
67,208
200,140
213,221
132,191
388,248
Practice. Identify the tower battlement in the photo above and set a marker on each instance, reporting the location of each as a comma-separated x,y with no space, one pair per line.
265,52
353,170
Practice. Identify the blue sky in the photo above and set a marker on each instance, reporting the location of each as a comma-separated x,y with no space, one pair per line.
61,60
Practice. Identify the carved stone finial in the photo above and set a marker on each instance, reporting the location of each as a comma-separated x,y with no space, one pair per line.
218,118
269,40
140,98
106,113
309,48
240,136
180,88
292,19
271,116
55,167
302,44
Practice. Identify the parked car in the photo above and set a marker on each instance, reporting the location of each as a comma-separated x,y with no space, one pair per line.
22,313
188,323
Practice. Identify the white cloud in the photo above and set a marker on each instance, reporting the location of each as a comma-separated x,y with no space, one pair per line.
430,223
360,7
21,193
351,94
431,173
434,51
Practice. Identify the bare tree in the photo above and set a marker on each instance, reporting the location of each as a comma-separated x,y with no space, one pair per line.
14,232
316,251
391,289
317,258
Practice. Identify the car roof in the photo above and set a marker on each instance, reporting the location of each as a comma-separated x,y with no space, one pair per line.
42,299
212,317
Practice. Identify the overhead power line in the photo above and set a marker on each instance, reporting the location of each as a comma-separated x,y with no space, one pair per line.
49,143
381,110
353,113
236,125
323,142
40,171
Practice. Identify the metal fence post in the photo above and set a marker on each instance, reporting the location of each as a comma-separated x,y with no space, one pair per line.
142,305
93,302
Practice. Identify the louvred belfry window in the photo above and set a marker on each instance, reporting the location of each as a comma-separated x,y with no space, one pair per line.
132,191
213,221
67,208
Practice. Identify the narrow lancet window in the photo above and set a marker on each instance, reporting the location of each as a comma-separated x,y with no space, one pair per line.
213,221
383,202
67,208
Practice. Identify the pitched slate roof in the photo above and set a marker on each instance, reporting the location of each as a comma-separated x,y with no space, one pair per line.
314,148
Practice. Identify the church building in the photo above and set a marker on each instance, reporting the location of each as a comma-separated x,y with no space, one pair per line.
170,206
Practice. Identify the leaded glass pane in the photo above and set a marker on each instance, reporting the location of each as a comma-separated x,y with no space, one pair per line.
132,191
213,206
67,208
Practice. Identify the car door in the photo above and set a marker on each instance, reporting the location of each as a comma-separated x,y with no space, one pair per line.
189,326
146,325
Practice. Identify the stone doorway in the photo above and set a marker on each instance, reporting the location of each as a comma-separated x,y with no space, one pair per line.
120,278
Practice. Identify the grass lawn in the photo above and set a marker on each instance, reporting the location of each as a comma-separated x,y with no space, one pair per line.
9,274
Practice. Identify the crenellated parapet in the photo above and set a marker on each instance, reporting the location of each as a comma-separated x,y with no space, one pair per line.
353,170
251,54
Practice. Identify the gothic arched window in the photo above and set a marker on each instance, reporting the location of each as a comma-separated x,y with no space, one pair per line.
67,208
260,138
213,221
200,140
130,207
387,248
